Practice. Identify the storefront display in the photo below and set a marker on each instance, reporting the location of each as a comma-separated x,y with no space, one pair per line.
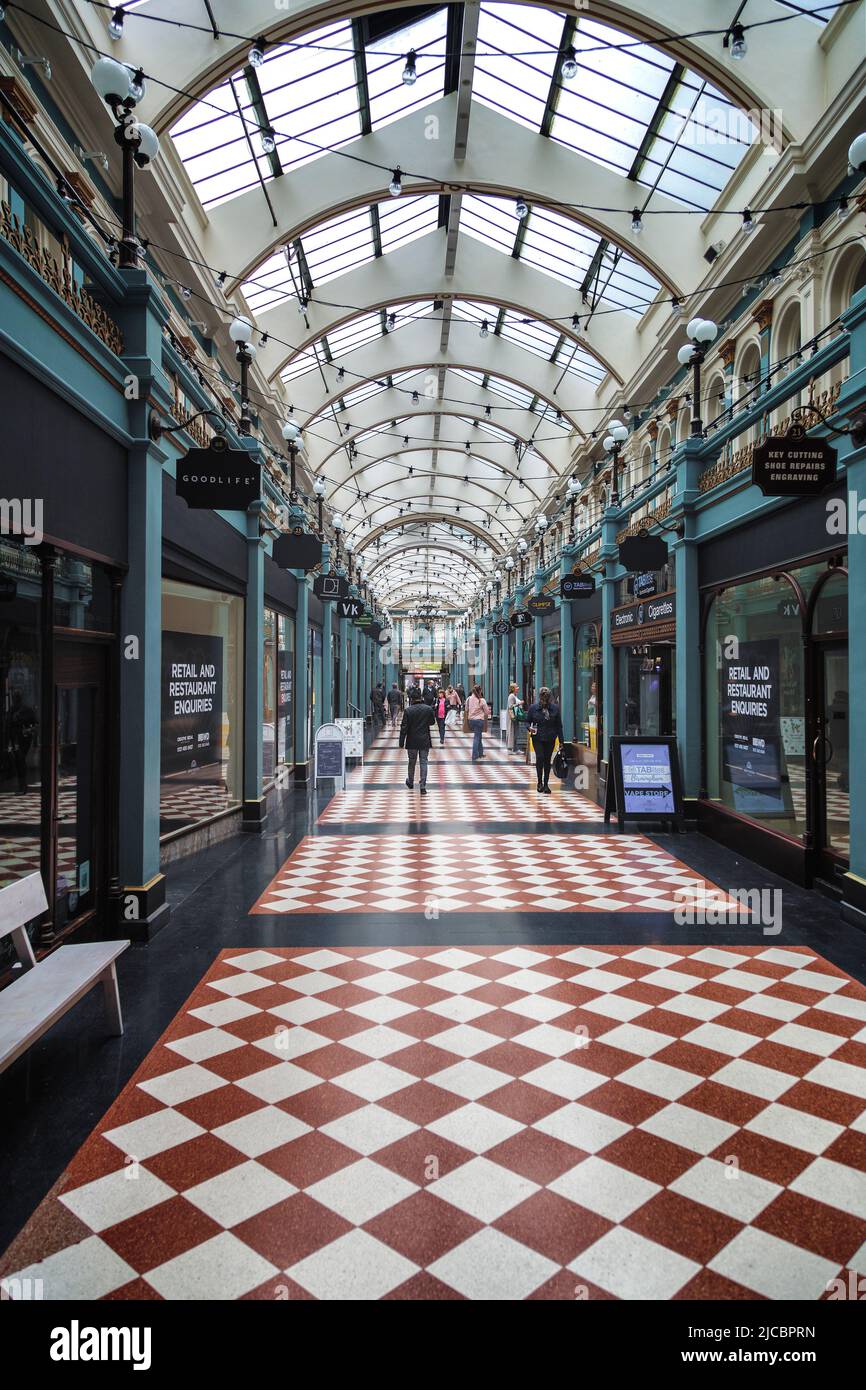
550,661
285,677
202,704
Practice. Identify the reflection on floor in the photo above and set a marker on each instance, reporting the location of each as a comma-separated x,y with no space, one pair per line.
482,1122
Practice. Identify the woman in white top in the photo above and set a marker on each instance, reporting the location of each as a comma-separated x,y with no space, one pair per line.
513,700
477,710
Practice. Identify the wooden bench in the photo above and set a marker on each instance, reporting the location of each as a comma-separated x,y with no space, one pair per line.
47,990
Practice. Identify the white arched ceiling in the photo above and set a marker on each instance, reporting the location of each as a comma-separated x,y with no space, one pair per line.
310,226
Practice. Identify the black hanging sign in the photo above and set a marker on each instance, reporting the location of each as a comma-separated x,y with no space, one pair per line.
793,465
297,550
576,586
539,604
330,587
502,628
218,478
520,618
349,608
643,552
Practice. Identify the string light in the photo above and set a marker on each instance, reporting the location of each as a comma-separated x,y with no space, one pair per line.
115,24
569,64
395,187
409,73
521,208
748,225
636,221
257,53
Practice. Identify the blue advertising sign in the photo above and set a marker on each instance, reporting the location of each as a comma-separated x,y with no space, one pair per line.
646,779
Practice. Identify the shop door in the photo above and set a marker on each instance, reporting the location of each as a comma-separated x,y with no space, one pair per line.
828,750
78,821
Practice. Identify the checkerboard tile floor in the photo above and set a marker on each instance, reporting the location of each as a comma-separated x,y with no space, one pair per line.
502,805
191,803
479,1123
20,856
493,873
446,774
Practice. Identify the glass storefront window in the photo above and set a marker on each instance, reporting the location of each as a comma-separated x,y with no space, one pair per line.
82,595
647,681
202,704
314,681
269,696
755,704
20,704
285,684
587,703
550,663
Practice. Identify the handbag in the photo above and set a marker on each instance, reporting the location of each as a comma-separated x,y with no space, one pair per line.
560,764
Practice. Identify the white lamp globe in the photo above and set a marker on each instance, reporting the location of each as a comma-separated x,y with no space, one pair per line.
509,563
338,522
692,328
706,331
619,431
350,544
250,351
497,575
319,487
541,524
148,145
857,153
291,432
111,79
240,330
489,586
573,487
685,355
607,443
522,546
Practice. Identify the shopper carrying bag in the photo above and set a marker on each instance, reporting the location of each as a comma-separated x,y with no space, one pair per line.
545,726
477,712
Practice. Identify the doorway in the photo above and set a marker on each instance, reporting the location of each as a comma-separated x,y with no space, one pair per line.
76,821
828,754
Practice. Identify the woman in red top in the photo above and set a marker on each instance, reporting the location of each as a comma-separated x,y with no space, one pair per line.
441,709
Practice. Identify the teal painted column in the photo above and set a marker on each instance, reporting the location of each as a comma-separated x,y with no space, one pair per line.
519,601
302,692
611,572
691,459
327,632
140,903
852,398
537,585
255,805
566,650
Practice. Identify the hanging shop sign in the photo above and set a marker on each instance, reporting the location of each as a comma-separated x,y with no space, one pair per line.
539,604
349,608
330,753
576,586
520,618
218,478
297,550
643,552
192,701
648,614
793,465
646,782
753,753
330,587
502,628
643,585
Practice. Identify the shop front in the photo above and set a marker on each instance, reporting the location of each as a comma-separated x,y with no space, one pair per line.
643,635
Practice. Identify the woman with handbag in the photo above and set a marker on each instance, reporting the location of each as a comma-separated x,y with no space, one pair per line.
545,726
477,711
440,709
515,715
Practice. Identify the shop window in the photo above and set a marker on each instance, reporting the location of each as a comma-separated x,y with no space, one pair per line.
587,704
755,704
21,731
269,695
82,595
285,685
550,653
202,704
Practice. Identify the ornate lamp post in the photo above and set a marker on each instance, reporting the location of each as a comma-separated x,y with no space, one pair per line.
616,436
522,547
240,332
540,528
702,332
291,432
319,489
509,566
339,525
121,87
573,494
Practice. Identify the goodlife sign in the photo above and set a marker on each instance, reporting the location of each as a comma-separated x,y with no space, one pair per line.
218,478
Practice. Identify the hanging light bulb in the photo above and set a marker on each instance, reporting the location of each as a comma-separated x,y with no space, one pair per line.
636,221
575,322
738,45
483,331
842,210
257,53
269,144
409,73
676,307
748,225
521,208
219,280
395,187
185,291
569,65
115,24
392,320
137,83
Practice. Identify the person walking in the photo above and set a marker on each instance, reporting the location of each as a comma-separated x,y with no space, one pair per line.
395,703
477,710
452,717
513,701
418,719
377,700
441,709
545,725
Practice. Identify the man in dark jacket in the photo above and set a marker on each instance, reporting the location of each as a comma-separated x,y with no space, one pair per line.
545,726
418,719
395,702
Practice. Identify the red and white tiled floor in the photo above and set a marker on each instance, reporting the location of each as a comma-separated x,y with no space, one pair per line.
484,1122
493,873
500,805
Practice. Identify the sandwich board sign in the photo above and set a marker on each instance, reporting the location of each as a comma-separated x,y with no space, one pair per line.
353,736
330,753
643,781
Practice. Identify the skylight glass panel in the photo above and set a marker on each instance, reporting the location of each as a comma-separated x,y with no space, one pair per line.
516,86
299,366
354,334
536,337
310,99
338,245
390,98
373,388
700,142
402,220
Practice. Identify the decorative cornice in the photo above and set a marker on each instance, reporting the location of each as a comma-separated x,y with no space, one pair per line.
762,314
728,351
19,99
